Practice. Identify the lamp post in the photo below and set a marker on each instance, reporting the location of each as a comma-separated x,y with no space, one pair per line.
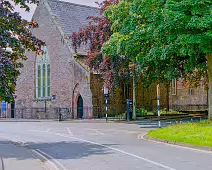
132,66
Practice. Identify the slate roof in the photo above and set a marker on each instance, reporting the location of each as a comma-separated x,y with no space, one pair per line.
71,17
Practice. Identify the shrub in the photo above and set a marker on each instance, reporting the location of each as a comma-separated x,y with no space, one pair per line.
122,115
141,112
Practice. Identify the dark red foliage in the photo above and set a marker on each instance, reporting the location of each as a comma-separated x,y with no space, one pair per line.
97,32
95,35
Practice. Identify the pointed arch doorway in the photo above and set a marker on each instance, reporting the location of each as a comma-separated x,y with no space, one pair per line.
80,107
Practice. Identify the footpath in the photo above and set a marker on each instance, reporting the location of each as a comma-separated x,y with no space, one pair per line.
14,157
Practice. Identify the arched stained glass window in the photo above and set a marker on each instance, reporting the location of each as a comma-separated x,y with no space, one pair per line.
48,79
43,75
39,81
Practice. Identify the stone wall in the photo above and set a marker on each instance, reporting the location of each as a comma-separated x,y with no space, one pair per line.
116,105
187,99
147,96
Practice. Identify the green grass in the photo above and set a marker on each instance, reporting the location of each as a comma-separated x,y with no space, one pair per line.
197,134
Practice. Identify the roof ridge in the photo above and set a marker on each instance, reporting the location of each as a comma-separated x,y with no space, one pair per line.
74,4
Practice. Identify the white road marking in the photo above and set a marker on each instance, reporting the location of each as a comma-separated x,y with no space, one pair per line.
48,130
69,131
111,148
141,136
57,162
118,150
37,131
97,131
169,144
13,140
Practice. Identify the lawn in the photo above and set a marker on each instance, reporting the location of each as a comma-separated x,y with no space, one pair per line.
198,134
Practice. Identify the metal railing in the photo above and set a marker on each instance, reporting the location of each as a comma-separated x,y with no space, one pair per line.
96,112
36,113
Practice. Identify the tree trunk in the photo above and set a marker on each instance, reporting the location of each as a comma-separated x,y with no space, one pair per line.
209,59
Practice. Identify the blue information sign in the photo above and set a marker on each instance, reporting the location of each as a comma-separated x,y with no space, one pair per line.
4,106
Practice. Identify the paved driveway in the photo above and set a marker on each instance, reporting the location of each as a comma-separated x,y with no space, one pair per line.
97,146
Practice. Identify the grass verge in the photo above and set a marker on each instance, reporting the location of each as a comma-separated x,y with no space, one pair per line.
197,134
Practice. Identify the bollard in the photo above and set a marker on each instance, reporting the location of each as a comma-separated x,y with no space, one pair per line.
60,115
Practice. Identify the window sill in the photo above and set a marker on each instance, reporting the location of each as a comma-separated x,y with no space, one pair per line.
43,99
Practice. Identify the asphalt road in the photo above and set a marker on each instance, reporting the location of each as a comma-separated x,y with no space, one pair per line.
91,146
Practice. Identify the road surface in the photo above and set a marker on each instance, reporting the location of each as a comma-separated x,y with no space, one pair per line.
91,146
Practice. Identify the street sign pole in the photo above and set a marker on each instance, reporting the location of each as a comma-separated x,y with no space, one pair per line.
106,93
106,101
158,102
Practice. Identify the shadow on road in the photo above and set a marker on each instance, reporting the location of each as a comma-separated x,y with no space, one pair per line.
58,150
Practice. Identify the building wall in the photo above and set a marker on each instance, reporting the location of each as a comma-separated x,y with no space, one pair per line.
65,74
188,99
98,98
147,96
81,81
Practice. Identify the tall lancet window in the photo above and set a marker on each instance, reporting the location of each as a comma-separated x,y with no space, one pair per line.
43,75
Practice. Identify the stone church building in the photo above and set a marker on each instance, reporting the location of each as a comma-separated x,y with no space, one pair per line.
58,78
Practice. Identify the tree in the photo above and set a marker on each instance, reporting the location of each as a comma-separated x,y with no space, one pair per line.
168,39
95,35
15,38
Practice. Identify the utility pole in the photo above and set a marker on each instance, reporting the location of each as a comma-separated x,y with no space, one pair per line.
132,67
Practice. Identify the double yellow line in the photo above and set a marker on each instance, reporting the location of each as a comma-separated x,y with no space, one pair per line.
48,162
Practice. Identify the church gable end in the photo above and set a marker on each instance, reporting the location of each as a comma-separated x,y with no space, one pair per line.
50,85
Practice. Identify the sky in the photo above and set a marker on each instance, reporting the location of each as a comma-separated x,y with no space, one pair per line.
28,15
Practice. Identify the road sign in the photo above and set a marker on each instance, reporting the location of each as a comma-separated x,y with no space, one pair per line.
53,97
106,91
4,106
158,90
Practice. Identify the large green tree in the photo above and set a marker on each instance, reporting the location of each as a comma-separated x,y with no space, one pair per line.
167,38
15,38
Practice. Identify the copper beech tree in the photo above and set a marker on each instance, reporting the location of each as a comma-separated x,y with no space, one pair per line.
15,38
95,35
